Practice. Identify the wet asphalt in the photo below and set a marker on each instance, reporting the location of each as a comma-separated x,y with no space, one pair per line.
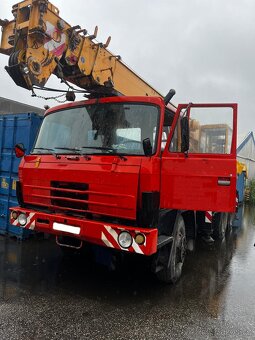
44,295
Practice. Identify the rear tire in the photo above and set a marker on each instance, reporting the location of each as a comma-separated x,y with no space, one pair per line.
171,257
220,225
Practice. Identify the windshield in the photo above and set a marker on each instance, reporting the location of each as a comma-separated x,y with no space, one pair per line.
99,128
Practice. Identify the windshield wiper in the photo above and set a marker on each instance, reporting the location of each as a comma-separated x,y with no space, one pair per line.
48,149
106,149
103,148
76,150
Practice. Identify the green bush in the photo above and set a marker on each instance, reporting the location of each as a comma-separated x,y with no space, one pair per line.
251,186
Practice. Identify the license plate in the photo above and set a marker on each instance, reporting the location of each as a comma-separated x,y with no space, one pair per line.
66,228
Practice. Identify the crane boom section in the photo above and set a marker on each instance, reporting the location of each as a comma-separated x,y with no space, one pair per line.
40,43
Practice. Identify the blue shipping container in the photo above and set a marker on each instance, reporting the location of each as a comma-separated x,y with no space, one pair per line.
14,128
240,186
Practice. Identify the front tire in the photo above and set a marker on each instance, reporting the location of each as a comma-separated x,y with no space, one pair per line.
171,257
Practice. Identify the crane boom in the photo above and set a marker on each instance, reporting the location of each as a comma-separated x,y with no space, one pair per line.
40,43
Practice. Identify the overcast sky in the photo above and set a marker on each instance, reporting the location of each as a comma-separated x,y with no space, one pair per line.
204,49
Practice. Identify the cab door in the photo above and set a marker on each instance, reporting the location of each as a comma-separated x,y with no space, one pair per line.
199,160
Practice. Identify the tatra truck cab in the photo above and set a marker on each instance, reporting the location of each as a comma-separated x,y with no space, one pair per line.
124,169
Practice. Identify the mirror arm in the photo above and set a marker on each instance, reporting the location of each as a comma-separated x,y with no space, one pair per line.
147,147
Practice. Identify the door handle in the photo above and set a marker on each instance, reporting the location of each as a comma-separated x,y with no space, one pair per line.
224,181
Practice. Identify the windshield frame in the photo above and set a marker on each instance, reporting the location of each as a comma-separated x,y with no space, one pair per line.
156,102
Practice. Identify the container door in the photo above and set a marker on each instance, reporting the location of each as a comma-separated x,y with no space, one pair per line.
199,161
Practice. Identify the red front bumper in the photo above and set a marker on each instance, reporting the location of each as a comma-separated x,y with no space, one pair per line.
104,234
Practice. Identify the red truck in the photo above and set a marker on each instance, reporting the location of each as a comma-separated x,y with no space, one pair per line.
124,169
98,173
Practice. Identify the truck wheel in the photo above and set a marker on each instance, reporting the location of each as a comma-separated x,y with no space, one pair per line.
220,225
171,256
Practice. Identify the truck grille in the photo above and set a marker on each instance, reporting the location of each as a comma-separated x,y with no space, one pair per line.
70,195
80,199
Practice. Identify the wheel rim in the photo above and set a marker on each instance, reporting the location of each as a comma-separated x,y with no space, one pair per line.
171,257
179,250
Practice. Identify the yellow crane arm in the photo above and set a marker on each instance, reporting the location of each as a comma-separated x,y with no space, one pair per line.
40,43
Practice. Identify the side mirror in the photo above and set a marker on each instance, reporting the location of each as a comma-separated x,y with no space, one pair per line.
184,134
147,147
19,150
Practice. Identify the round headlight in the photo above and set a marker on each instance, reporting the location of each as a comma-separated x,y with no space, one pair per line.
22,219
125,239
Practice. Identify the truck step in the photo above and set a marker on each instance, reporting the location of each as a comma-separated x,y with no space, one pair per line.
163,240
158,268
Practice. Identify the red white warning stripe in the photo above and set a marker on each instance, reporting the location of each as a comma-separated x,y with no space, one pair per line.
110,239
32,225
106,241
136,248
111,232
208,216
30,222
14,222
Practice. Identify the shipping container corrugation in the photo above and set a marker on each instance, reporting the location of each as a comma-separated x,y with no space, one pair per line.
14,128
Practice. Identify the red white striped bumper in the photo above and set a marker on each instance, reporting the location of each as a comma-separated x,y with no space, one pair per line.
104,234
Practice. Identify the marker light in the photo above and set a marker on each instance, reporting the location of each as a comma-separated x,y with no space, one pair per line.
140,239
14,215
22,219
125,239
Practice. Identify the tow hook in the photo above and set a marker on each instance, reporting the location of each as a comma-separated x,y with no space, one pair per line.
64,242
